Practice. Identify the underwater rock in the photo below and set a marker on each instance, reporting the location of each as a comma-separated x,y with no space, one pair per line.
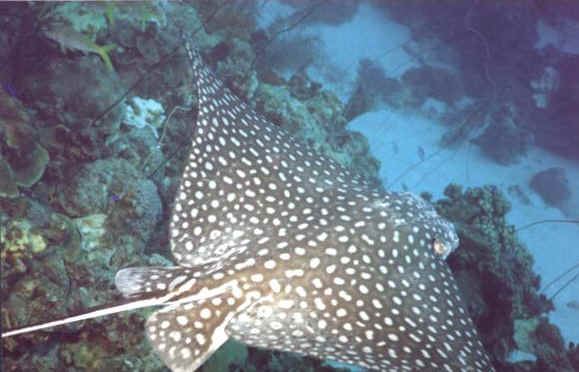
236,67
360,101
301,87
557,127
70,40
22,159
550,334
552,185
8,187
319,122
504,140
91,229
353,150
268,75
46,272
327,109
550,348
230,354
74,92
574,356
498,266
372,88
260,360
87,18
15,122
84,356
545,86
524,333
116,188
435,82
35,284
277,105
28,169
148,47
330,12
19,240
22,169
492,259
286,51
29,229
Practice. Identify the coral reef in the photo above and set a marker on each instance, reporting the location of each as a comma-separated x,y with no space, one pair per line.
372,88
552,185
319,121
235,65
503,140
494,271
114,187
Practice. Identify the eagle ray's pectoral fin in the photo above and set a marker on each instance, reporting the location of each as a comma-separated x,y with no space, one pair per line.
186,334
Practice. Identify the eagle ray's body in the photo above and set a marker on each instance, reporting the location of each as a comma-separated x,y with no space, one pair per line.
281,248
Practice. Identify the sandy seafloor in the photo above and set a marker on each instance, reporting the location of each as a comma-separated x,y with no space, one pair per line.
396,136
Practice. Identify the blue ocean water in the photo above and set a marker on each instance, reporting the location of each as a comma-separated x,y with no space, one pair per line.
471,105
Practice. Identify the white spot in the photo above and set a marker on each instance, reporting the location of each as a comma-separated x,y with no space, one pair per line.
175,335
331,251
185,353
275,286
396,236
286,304
392,337
319,304
294,273
257,278
200,339
317,283
205,313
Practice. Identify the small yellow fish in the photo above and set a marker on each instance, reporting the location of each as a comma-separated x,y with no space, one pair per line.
70,39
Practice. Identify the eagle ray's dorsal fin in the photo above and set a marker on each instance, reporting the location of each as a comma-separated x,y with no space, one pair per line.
186,335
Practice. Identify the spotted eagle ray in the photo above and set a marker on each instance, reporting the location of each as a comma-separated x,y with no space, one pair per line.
280,247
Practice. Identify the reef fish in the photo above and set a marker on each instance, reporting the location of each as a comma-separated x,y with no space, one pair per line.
280,247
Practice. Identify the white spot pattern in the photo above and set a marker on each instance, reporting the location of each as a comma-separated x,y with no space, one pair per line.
317,261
